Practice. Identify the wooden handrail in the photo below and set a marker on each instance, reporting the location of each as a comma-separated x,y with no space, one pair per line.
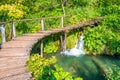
13,30
24,20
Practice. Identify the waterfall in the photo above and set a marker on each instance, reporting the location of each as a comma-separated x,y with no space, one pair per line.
77,50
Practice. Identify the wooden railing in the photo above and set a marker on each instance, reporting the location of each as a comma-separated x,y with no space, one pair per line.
13,28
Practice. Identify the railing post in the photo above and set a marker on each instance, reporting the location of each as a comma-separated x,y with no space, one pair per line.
2,28
63,40
42,48
42,45
13,29
63,36
42,24
62,21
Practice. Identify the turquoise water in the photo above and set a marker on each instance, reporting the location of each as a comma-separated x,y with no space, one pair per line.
88,67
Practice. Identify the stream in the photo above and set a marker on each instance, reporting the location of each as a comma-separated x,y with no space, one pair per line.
88,67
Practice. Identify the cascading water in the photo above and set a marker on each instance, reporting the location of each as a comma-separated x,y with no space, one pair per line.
77,50
88,67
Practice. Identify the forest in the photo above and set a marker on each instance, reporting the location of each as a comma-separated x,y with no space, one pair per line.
102,39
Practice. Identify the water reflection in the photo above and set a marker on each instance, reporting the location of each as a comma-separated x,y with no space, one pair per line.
88,67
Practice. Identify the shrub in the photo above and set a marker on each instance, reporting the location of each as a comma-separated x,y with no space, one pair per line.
113,74
100,39
43,70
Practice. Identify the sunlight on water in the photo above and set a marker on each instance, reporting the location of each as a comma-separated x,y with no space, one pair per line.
85,66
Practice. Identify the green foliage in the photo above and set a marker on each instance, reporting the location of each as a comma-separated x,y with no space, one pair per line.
22,28
11,11
70,42
104,3
104,38
51,43
52,23
35,28
79,10
42,70
95,40
40,8
39,66
112,22
60,74
72,38
74,19
113,74
114,45
51,47
99,39
81,3
107,7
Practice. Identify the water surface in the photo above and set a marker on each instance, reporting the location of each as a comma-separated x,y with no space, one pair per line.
87,67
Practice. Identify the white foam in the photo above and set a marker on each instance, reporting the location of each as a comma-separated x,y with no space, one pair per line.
77,50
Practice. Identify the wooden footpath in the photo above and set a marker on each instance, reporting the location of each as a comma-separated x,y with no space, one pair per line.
15,53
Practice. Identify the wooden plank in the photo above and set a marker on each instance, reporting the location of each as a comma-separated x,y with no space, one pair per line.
12,72
14,50
27,38
18,44
41,35
10,52
5,60
23,76
12,64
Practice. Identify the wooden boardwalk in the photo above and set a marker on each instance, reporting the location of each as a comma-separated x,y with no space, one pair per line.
15,53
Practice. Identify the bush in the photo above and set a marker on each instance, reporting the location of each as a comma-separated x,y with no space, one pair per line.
112,22
107,7
39,66
43,70
94,40
113,74
105,37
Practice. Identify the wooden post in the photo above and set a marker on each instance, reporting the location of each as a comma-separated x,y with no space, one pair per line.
13,29
42,45
62,21
42,49
10,33
63,36
42,24
63,41
2,28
